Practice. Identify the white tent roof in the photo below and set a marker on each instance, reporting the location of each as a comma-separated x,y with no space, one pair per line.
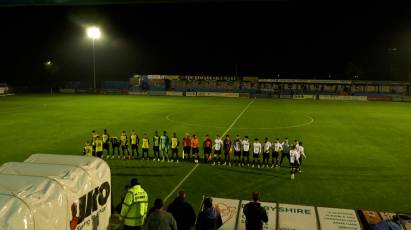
28,202
22,219
73,178
40,193
96,167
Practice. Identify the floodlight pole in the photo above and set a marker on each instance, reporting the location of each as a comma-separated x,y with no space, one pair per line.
94,66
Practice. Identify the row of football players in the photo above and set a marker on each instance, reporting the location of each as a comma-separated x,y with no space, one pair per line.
162,144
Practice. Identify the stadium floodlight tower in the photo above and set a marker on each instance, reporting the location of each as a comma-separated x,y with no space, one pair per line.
94,33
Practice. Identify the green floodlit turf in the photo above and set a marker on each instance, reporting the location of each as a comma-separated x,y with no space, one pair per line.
358,152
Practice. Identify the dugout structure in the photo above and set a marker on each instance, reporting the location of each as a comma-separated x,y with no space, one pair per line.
55,192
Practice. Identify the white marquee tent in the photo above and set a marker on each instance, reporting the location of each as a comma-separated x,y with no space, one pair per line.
55,192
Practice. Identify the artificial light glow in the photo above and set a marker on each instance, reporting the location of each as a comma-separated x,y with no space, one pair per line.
93,32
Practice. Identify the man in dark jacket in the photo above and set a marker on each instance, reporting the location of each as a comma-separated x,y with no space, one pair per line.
255,215
182,212
209,218
160,219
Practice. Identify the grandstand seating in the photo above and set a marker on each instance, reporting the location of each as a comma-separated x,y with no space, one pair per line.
251,85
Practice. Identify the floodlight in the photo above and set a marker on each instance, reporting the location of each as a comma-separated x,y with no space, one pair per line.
93,32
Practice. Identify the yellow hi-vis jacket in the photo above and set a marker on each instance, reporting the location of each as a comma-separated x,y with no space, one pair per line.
135,205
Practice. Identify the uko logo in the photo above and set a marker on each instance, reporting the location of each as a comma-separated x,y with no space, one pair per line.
89,203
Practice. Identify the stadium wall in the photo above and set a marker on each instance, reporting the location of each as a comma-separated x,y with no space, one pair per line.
342,98
294,216
285,96
304,96
402,99
173,93
244,95
157,93
139,93
215,94
379,98
67,91
191,94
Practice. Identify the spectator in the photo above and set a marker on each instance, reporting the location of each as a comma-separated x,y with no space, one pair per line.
255,215
160,219
122,196
134,208
209,218
182,212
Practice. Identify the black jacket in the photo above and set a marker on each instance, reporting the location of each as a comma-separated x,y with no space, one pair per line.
183,213
208,219
255,215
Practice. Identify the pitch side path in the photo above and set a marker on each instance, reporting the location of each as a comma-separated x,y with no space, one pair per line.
357,152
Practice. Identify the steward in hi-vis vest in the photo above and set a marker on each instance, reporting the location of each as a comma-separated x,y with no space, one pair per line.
135,205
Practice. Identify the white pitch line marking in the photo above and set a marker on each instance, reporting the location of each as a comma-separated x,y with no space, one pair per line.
189,124
238,117
181,182
311,120
283,127
196,166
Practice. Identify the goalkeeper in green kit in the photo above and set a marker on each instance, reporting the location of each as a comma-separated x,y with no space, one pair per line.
164,146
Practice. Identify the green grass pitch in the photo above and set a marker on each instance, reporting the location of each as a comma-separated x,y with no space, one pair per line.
358,153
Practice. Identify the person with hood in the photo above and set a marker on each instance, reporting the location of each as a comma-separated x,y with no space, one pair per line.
134,208
160,219
182,212
255,215
209,218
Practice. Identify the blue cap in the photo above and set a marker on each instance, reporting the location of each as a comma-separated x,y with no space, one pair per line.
134,181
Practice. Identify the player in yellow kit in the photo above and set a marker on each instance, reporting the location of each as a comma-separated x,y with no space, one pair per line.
115,147
124,144
93,140
145,146
99,147
134,140
106,143
88,150
174,148
156,146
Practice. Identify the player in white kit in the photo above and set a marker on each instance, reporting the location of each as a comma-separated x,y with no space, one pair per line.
237,150
246,150
278,147
300,151
266,152
218,144
293,161
256,152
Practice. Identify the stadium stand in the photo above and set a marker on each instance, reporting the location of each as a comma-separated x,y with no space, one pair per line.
248,87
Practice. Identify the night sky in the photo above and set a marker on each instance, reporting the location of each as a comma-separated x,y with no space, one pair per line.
266,38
